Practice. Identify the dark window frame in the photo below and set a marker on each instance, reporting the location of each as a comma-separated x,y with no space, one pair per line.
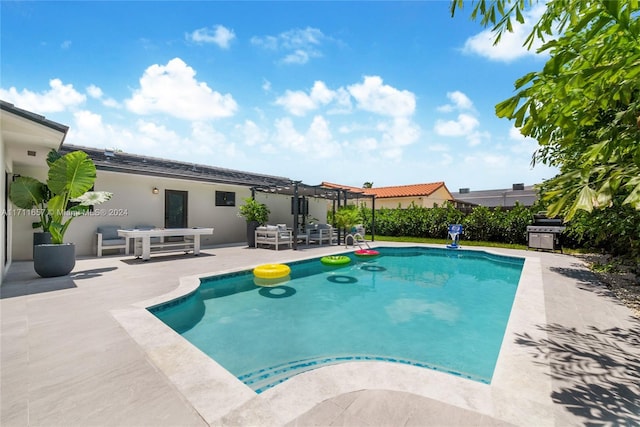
225,198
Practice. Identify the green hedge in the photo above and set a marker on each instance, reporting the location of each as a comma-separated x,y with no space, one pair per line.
482,224
615,230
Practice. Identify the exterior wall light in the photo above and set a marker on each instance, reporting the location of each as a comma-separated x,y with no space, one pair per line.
155,190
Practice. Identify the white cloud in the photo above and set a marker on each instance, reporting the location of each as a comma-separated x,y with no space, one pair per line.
173,90
207,140
66,44
90,130
460,102
395,135
297,45
59,98
266,85
476,138
438,147
488,161
522,144
318,138
342,103
445,159
400,132
218,35
374,96
298,56
251,134
463,126
146,136
299,103
96,93
466,124
510,46
287,136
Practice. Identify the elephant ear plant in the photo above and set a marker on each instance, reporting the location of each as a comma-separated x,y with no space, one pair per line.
70,179
29,193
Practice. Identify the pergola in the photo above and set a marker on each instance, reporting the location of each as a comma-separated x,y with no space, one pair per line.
300,191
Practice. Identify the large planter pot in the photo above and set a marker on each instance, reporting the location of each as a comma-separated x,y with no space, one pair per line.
251,233
51,260
40,238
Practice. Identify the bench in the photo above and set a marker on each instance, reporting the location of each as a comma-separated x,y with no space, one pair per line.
161,240
108,239
273,235
158,244
186,245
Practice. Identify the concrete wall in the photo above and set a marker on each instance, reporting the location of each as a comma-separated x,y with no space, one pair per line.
280,208
20,221
439,197
134,203
5,235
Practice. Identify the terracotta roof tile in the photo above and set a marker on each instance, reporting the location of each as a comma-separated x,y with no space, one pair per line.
395,191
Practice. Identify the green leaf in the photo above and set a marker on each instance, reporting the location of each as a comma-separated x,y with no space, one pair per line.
586,199
519,16
633,198
72,175
613,7
506,108
27,192
525,79
57,207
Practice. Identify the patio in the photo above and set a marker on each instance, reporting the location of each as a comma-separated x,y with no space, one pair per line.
73,354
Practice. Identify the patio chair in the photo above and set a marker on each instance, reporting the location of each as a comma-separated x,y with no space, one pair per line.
107,237
321,233
274,235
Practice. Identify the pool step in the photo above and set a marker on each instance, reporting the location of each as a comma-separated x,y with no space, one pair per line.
266,378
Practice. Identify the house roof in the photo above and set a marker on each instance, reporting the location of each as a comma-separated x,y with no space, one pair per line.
27,136
410,190
117,161
506,197
36,118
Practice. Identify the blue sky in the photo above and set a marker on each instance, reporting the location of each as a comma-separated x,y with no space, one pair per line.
392,93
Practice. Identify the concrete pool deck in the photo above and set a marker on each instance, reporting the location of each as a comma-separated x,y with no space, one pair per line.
81,351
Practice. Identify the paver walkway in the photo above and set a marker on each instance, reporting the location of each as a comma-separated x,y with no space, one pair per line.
66,361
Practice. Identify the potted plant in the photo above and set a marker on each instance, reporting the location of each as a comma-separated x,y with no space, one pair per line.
346,217
67,196
32,195
256,214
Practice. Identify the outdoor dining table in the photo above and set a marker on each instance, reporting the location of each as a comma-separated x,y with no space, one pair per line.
146,235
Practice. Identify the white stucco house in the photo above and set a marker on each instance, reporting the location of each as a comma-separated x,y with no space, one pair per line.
146,191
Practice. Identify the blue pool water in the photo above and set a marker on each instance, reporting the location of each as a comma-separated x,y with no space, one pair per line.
434,308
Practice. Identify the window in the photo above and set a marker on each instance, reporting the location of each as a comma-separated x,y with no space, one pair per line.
225,198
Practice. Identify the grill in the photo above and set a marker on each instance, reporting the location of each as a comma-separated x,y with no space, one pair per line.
545,233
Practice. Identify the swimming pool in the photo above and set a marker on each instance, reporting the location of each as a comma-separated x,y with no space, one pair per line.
434,308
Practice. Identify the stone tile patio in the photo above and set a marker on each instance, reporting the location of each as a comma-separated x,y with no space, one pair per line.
79,351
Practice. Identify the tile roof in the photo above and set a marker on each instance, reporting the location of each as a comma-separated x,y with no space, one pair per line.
343,187
116,161
410,190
